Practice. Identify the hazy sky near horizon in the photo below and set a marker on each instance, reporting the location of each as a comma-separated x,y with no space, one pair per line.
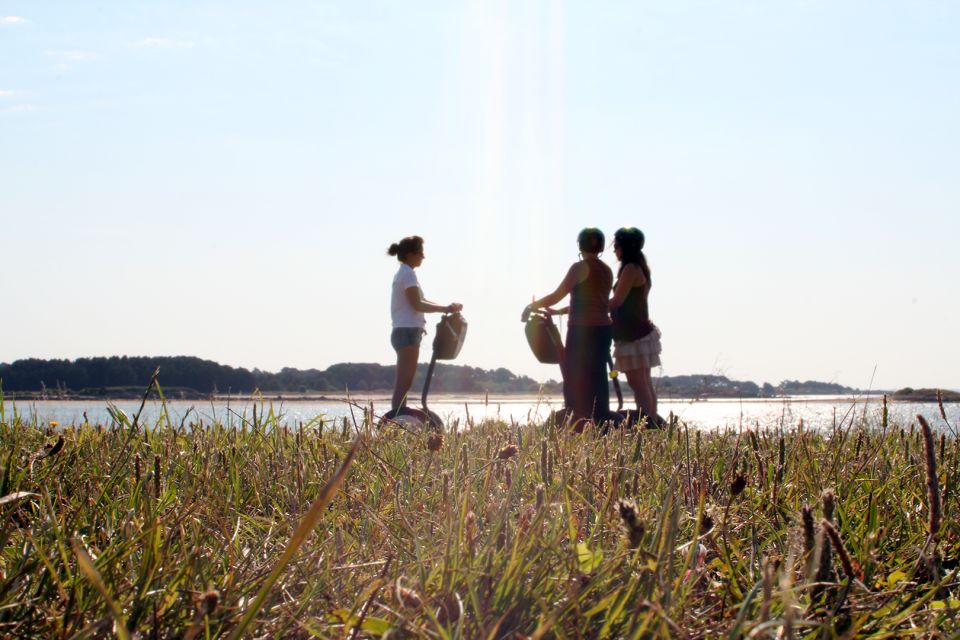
222,179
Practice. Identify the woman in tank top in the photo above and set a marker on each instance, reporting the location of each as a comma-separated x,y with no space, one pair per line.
588,283
636,339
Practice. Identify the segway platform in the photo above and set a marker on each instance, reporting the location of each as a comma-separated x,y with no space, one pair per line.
447,342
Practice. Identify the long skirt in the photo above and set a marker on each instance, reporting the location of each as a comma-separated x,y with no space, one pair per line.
585,386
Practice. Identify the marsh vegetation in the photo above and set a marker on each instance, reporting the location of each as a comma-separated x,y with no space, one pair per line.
500,530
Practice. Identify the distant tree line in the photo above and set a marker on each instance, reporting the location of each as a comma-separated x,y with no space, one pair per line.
99,376
194,376
715,386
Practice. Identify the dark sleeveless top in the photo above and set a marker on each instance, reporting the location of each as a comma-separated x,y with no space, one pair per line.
588,299
631,320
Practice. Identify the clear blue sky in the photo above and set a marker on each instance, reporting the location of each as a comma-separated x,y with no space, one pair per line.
222,179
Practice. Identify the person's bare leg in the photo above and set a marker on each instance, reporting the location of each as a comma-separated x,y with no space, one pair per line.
639,380
651,394
635,381
406,368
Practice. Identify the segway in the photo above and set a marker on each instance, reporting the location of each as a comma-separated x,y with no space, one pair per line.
451,332
547,346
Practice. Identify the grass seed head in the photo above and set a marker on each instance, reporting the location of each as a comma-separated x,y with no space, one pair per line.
507,452
845,560
809,532
209,601
631,522
829,504
738,485
825,572
448,609
706,523
933,483
409,598
434,442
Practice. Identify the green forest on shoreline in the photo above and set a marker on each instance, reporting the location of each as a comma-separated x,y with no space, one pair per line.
191,377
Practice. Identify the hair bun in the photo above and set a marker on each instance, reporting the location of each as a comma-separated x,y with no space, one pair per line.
393,250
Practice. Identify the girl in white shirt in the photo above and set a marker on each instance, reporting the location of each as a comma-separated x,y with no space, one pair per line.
407,309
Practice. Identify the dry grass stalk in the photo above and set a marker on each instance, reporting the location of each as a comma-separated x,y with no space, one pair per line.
156,476
543,461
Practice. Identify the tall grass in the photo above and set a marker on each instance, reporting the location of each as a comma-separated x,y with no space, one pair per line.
500,531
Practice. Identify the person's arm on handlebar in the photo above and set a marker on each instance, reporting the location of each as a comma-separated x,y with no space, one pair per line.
574,275
421,304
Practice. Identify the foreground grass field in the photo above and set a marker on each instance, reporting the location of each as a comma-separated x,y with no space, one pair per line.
492,531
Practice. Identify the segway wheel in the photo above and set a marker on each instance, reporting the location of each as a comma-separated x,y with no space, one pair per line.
564,418
618,420
411,418
559,417
634,418
631,419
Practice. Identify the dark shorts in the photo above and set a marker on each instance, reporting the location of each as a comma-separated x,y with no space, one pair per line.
402,337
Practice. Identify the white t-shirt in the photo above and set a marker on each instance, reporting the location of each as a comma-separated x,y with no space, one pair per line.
401,311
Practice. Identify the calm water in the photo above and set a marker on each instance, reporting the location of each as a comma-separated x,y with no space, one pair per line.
816,411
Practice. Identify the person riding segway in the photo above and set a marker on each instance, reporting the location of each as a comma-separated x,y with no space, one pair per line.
547,346
584,364
407,308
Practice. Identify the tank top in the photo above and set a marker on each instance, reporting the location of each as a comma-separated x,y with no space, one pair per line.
589,299
631,320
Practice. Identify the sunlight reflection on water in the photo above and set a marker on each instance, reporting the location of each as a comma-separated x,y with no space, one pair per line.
818,412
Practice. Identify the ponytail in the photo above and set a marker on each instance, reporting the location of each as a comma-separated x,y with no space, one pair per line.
410,244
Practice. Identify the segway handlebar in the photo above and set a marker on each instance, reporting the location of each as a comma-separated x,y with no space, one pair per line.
535,313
